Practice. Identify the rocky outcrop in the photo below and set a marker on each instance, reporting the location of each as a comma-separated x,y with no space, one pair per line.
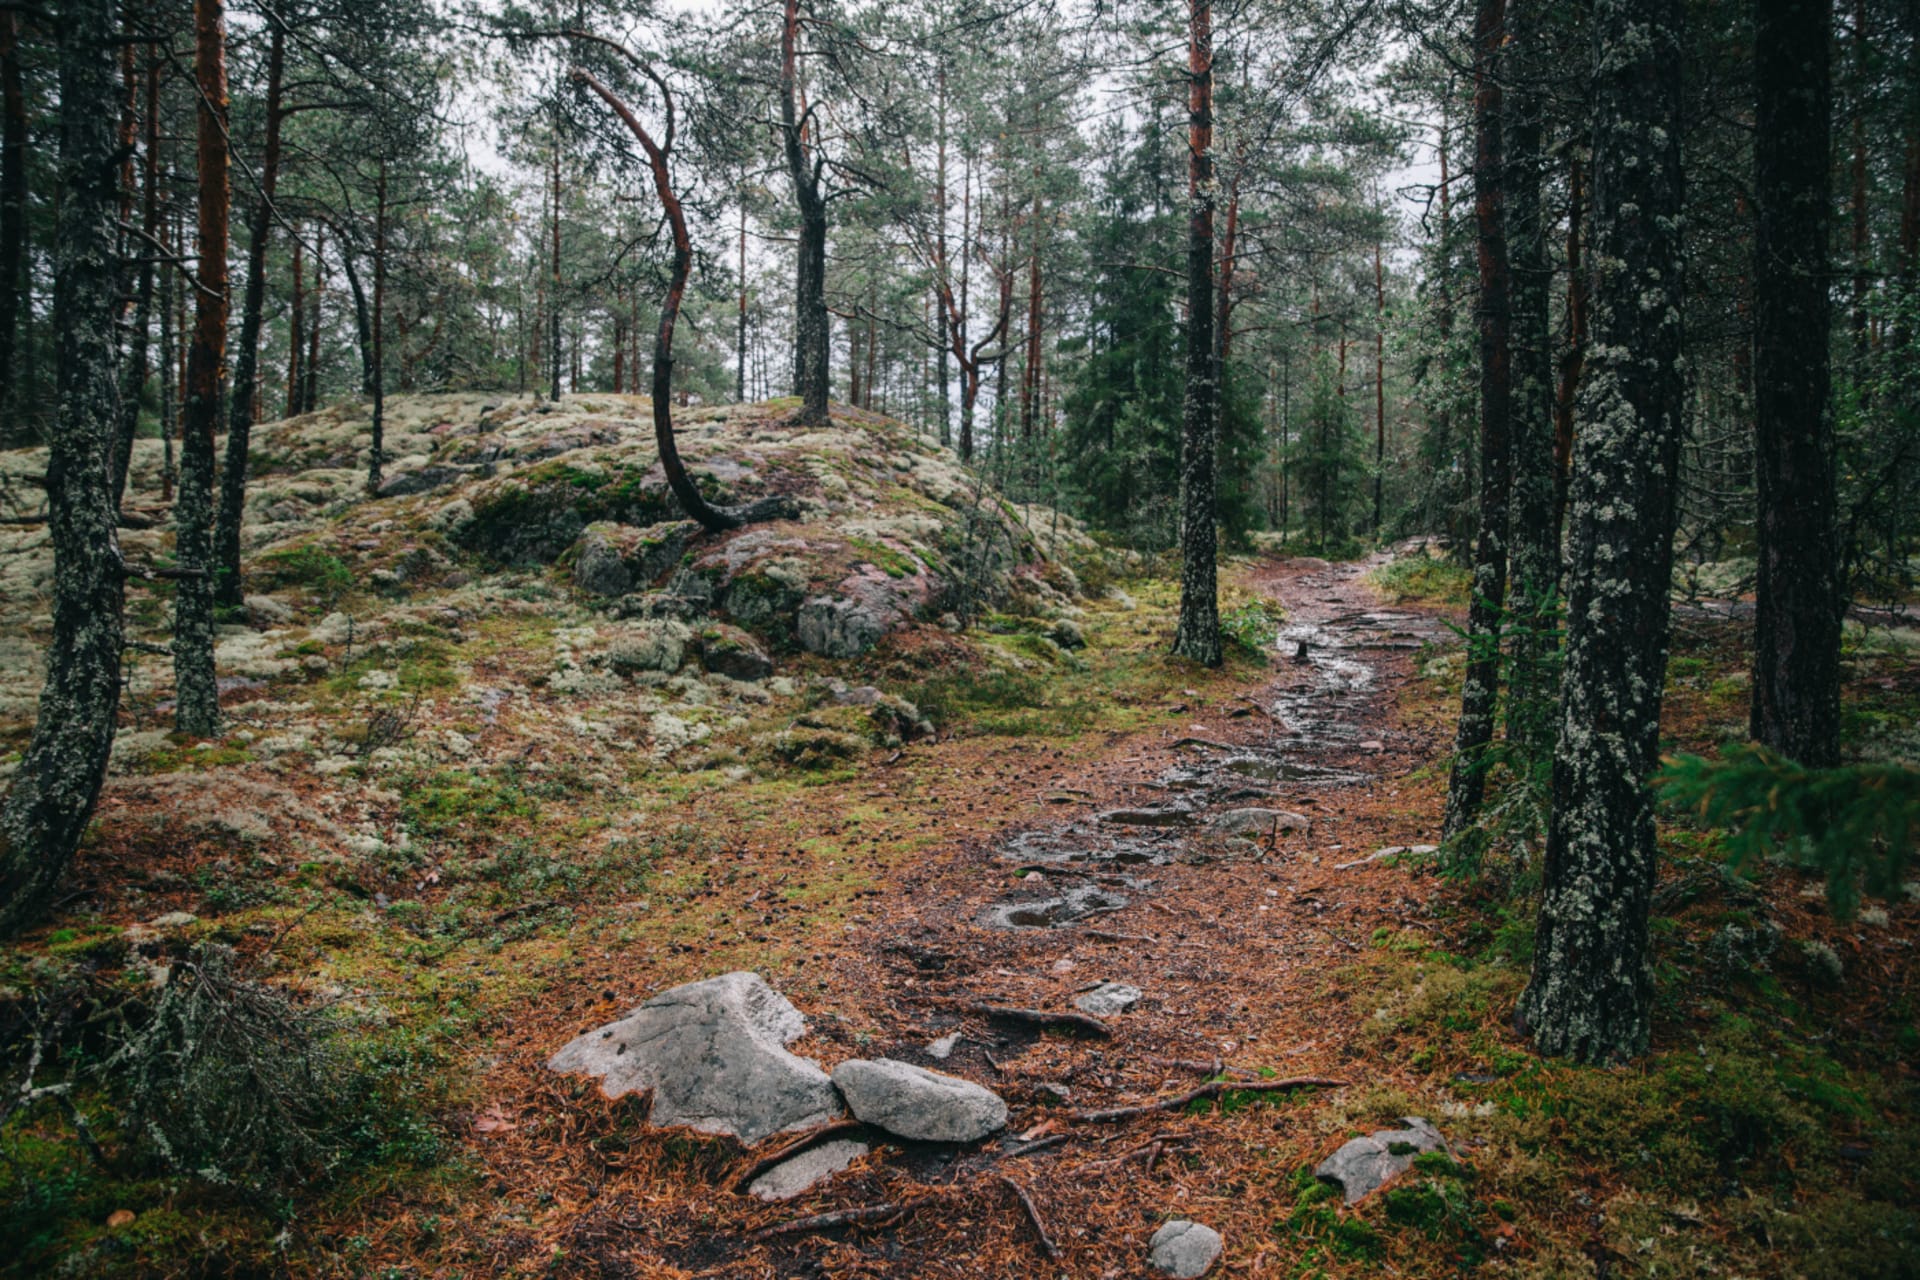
610,560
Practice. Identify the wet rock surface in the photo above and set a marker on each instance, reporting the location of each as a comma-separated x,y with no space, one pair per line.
1327,660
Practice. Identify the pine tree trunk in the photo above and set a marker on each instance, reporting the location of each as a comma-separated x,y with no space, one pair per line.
296,327
943,286
811,332
133,389
1533,523
228,588
1479,697
1198,634
1592,989
377,448
553,280
1796,656
197,698
58,782
310,377
13,206
740,338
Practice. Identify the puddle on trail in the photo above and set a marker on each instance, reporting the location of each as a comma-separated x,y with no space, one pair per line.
1326,675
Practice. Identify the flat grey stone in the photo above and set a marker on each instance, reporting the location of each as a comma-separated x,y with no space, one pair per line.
714,1053
1257,822
1184,1248
912,1102
1108,998
943,1047
816,1164
1364,1165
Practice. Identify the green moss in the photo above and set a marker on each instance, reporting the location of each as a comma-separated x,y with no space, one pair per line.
1425,579
458,802
304,567
895,564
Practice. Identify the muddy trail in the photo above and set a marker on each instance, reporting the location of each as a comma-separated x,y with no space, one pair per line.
1221,870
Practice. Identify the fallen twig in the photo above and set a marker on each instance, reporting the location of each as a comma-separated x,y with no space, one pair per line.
1038,1144
1042,1018
1212,1089
1033,1215
811,1137
844,1218
1202,1066
1108,935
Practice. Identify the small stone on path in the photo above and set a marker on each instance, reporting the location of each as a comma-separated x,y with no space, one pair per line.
790,1177
1108,998
1184,1249
912,1102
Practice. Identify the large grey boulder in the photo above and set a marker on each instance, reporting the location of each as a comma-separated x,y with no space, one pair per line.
1364,1165
714,1054
729,651
816,1164
912,1102
1183,1248
838,628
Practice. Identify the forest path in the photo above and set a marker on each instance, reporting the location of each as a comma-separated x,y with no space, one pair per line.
1019,870
1168,870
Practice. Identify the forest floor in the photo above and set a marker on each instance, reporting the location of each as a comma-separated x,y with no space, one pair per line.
1770,1133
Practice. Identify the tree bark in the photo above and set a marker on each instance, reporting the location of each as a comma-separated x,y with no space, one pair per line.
1796,655
685,491
1591,994
377,449
134,387
1198,634
197,698
310,376
13,204
296,329
553,269
1479,697
228,588
1532,521
53,794
810,325
740,337
1573,351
